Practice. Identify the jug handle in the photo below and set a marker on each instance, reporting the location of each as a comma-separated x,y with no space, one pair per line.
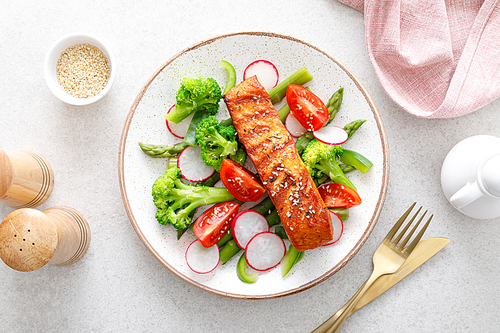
466,195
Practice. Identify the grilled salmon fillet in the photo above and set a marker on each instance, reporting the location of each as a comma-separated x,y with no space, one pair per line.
272,150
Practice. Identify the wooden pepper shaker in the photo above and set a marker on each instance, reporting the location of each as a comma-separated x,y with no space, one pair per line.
29,238
26,179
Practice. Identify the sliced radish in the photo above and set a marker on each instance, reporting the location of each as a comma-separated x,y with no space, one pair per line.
331,135
293,126
192,166
338,228
201,259
266,73
265,251
179,130
246,225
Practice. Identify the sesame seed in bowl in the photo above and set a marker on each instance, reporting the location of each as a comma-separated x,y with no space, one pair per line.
79,69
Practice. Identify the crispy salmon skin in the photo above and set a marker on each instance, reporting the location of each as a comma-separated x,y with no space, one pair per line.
272,150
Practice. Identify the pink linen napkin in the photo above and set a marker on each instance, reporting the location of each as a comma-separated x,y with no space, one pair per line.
436,59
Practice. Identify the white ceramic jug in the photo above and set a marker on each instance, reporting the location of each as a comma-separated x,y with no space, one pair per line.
470,176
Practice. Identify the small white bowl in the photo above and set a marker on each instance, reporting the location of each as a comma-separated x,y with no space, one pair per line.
50,67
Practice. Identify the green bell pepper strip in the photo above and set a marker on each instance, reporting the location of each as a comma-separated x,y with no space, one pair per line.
231,76
343,213
356,160
241,271
291,257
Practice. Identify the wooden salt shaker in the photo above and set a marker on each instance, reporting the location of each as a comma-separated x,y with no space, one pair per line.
29,238
26,179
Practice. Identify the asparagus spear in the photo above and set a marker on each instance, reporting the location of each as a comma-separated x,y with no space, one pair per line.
300,77
162,150
303,141
333,104
353,126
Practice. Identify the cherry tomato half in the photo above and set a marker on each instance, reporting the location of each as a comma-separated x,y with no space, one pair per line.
338,196
306,107
214,223
240,182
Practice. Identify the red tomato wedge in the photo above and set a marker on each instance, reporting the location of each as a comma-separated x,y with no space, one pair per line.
214,223
240,182
306,107
338,196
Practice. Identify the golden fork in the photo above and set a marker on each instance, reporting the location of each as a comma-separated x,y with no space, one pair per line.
387,259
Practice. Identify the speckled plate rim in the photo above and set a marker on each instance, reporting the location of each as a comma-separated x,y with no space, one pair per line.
314,282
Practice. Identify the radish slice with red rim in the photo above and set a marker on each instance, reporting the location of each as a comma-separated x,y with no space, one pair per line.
246,225
192,166
179,130
331,135
338,228
265,251
266,73
294,127
200,259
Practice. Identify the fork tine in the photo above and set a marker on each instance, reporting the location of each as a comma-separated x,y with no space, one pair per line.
419,236
407,226
398,224
407,238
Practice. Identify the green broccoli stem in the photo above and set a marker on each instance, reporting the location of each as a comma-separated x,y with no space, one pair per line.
331,168
197,196
356,160
158,151
300,77
353,126
229,250
303,141
190,137
179,113
333,104
231,75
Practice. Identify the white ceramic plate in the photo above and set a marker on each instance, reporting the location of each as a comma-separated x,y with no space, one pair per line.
145,123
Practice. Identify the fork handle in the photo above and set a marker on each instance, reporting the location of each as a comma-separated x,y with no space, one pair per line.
323,327
341,315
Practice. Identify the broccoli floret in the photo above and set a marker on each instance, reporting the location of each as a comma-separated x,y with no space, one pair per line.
176,201
216,141
240,156
320,159
194,95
